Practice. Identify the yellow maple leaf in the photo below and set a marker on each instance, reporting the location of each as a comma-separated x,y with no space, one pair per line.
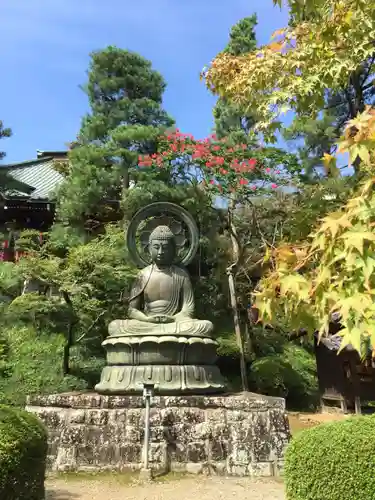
334,222
356,239
285,253
295,284
264,308
348,17
330,164
356,304
353,337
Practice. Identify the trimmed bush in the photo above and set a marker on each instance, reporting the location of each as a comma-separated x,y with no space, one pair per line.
23,451
27,350
333,461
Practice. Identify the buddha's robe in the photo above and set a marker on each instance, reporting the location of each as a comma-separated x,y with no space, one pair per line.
161,292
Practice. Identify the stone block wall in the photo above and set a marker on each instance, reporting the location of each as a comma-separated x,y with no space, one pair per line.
234,435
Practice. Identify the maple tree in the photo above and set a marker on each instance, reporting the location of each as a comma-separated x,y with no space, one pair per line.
326,42
334,270
293,72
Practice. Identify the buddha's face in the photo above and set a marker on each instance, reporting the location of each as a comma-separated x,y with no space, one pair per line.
162,252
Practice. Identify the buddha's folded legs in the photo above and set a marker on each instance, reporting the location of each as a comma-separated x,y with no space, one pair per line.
183,327
194,327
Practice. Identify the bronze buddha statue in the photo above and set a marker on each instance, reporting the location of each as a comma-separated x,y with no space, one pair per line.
161,342
162,299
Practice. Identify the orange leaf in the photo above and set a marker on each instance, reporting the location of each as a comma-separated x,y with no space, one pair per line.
275,46
277,33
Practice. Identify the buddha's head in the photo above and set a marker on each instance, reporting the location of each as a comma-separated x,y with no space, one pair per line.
162,246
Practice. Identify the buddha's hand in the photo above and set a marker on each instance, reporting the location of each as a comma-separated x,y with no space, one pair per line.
163,318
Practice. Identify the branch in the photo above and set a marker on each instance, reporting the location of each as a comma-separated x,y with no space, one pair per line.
91,327
372,60
236,246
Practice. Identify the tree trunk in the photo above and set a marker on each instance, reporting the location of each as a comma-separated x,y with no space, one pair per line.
232,292
125,181
237,329
66,355
250,335
69,338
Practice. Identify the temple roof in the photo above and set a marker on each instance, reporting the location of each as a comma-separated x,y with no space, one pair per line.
39,177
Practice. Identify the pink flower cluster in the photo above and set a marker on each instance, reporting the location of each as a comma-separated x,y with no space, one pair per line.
217,158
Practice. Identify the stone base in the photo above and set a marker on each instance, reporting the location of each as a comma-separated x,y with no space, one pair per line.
235,434
175,364
175,379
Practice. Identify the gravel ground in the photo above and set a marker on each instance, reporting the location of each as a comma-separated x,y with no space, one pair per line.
202,488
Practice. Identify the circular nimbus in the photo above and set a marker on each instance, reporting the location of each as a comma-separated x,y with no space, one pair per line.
156,214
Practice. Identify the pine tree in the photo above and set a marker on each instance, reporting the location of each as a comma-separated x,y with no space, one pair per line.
320,135
5,180
4,132
230,117
125,96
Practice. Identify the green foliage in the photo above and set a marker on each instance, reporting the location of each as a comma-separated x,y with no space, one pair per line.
6,180
39,311
31,362
76,296
125,96
292,72
290,374
98,269
319,135
231,117
4,132
275,365
23,452
10,279
242,38
332,461
97,278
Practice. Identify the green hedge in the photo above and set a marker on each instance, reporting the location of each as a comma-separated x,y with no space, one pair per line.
23,451
333,461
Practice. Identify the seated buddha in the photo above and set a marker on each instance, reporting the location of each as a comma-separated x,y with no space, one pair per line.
162,299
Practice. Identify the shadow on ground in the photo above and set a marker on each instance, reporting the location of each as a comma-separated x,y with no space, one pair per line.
61,495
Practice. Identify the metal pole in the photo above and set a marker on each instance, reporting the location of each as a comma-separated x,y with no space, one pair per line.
146,444
146,473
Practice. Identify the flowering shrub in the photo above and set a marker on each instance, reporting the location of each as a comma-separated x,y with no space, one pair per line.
222,166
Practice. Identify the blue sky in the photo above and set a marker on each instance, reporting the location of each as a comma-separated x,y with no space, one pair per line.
45,54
